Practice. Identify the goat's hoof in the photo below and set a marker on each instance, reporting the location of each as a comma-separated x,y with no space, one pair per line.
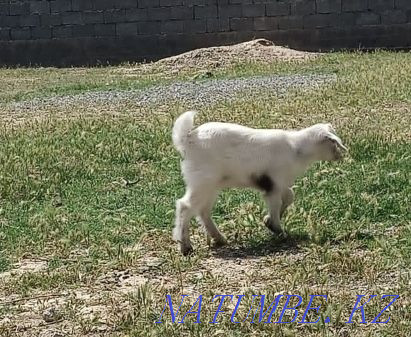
269,224
219,243
283,235
186,250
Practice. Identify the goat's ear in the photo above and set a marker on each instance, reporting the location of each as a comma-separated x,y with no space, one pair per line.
336,140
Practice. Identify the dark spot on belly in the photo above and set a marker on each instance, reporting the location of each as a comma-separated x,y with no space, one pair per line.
263,182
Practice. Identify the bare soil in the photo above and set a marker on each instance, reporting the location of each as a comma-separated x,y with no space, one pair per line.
259,51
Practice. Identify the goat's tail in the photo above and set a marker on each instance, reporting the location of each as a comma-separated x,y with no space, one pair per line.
182,127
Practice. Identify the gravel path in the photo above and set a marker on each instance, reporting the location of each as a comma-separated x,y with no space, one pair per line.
195,93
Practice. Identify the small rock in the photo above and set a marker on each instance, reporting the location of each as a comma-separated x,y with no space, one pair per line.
207,74
51,314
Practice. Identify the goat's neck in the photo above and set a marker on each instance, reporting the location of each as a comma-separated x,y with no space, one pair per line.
305,148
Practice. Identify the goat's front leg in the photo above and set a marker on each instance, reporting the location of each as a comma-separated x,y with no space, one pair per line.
274,204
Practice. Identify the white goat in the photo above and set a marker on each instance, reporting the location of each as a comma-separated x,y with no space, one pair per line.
221,155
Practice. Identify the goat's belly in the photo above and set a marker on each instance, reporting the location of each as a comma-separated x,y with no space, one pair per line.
233,182
236,175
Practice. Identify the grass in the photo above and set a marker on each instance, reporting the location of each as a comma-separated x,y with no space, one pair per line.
94,195
27,83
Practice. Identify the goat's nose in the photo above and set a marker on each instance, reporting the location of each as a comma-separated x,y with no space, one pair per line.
339,154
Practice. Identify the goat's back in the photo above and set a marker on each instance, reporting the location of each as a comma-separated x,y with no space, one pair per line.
235,148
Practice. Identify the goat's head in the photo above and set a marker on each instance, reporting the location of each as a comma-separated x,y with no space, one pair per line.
328,145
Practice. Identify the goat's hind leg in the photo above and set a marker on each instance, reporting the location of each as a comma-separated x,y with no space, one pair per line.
197,201
181,231
205,219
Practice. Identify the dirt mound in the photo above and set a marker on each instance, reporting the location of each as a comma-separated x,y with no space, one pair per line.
259,50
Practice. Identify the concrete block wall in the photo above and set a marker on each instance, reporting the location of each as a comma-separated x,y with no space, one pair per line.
74,32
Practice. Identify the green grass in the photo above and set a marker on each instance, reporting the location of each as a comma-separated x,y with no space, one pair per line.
27,83
82,191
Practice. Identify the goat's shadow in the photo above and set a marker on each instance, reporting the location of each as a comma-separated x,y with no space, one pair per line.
271,245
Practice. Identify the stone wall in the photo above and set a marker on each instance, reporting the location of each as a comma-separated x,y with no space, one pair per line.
74,32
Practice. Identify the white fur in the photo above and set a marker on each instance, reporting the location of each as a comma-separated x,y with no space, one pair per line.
221,155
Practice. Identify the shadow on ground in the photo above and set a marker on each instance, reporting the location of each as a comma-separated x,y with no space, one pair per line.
271,245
